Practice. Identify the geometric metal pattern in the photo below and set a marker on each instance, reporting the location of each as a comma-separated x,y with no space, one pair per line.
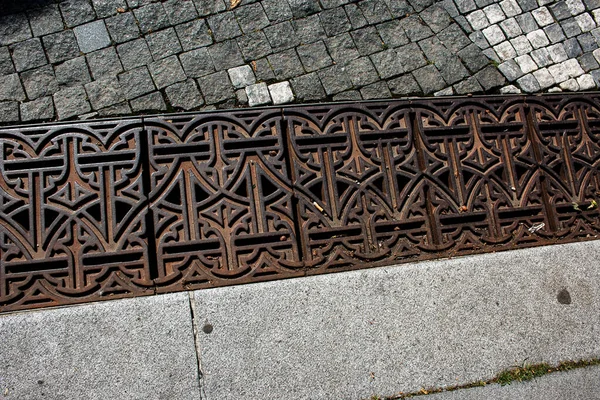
121,208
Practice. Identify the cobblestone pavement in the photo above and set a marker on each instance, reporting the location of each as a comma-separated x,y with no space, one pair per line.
93,58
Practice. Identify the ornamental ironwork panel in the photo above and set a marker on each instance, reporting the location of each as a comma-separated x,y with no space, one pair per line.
72,208
221,199
121,208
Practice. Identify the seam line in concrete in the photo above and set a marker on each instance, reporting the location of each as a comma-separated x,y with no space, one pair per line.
196,345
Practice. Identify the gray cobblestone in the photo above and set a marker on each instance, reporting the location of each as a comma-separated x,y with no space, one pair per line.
308,29
180,11
405,85
254,45
588,62
570,27
392,34
61,46
224,26
410,58
277,10
511,28
37,110
216,87
479,39
375,11
117,109
361,72
14,28
468,86
587,42
527,22
490,78
342,48
263,71
303,8
106,8
10,88
104,63
281,36
308,87
28,54
193,34
314,56
150,102
184,95
163,43
554,33
286,64
453,38
39,82
92,36
478,20
526,63
9,111
465,6
122,27
136,82
355,15
207,7
541,57
151,17
166,72
73,72
414,29
6,64
225,55
560,10
377,90
134,53
335,21
76,12
472,58
572,48
197,63
104,93
71,102
544,78
387,63
436,18
429,79
334,79
251,17
494,34
45,20
367,41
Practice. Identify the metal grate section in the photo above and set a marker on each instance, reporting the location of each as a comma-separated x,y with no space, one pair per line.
110,209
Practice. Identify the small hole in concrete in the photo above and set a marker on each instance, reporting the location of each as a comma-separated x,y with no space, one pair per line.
40,382
207,328
564,297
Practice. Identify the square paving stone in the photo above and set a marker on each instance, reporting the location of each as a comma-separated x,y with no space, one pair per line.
404,85
224,26
166,72
468,86
473,58
149,102
277,10
216,87
45,20
251,17
115,110
419,5
335,79
368,41
193,34
76,12
72,72
262,70
342,48
122,27
304,8
453,38
258,94
452,70
71,102
286,64
197,63
134,53
241,76
254,45
327,4
180,11
92,36
375,11
349,95
10,88
490,78
429,79
106,8
308,87
361,72
136,82
414,29
308,29
281,93
335,21
436,18
184,95
36,110
104,93
355,16
208,7
410,57
104,63
6,64
14,28
39,82
377,90
387,63
28,54
9,111
163,43
61,46
314,56
281,36
151,17
226,54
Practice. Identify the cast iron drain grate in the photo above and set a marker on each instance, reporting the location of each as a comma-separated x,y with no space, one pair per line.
121,208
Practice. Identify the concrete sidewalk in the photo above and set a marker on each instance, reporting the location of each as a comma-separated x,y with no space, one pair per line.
341,336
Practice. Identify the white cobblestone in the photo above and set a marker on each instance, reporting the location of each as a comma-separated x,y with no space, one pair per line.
510,89
596,14
586,82
241,76
554,90
510,8
505,51
521,45
541,57
258,94
559,72
494,34
557,53
576,7
570,85
544,78
511,28
585,22
596,54
572,65
494,13
445,92
538,39
478,20
281,93
526,63
542,16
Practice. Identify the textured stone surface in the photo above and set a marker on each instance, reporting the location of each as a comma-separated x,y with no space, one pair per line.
92,36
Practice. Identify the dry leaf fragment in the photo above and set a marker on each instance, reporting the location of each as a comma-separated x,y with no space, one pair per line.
253,64
234,4
120,10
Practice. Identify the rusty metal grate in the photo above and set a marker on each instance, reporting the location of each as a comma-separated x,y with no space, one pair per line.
110,209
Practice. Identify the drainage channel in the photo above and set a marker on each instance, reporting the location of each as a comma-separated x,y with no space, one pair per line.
119,208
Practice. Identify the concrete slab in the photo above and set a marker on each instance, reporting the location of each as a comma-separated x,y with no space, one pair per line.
579,384
139,348
386,330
